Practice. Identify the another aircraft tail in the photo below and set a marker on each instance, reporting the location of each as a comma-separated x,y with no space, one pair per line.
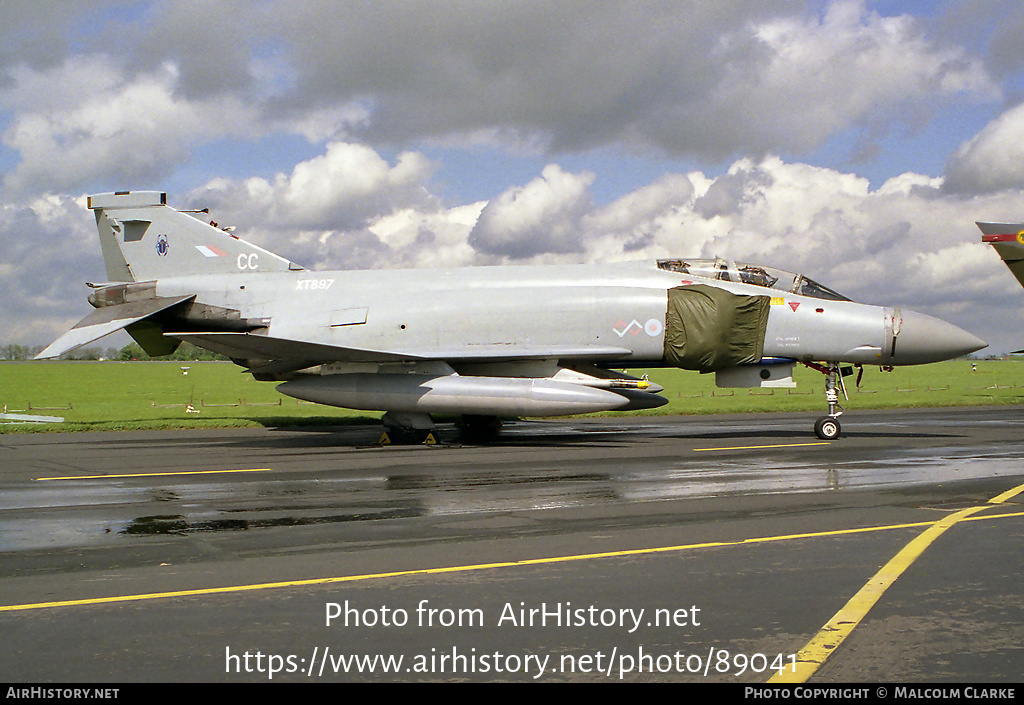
144,239
1008,241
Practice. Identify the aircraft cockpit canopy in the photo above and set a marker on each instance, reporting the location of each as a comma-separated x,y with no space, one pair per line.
768,277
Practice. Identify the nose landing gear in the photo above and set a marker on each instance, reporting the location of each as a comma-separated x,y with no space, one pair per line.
827,428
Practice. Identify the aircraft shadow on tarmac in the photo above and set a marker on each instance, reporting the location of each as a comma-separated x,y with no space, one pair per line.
533,434
565,436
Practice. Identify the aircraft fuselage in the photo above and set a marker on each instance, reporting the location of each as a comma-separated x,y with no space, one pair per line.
617,311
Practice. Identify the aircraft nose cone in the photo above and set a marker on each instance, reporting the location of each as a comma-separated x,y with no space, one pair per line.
924,339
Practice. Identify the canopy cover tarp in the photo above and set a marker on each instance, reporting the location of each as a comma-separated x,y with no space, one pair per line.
709,329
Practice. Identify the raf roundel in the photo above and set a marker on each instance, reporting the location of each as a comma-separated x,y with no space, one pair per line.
162,246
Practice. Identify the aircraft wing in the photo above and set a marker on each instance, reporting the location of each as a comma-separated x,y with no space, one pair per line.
106,320
282,355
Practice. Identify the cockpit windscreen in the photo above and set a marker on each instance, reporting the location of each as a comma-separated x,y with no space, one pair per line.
768,277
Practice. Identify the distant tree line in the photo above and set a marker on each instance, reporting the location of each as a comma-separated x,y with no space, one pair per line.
132,351
185,351
20,352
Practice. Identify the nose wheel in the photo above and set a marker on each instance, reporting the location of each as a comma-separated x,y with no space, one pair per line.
827,428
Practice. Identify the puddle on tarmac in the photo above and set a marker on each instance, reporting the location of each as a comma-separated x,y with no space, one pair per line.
94,512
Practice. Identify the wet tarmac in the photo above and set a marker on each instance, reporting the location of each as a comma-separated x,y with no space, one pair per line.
245,516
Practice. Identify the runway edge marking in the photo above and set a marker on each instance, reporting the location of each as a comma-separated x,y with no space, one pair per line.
812,656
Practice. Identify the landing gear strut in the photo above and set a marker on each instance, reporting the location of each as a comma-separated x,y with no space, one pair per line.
827,428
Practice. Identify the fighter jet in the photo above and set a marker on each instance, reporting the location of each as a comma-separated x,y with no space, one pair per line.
1008,241
484,343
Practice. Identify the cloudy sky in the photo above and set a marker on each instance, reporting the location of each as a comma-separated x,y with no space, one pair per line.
854,141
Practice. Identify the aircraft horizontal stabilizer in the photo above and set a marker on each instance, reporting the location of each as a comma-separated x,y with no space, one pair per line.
1008,241
107,320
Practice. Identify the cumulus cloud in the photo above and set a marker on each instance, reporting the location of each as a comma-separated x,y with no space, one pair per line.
648,222
342,188
544,216
346,208
48,250
704,79
36,33
814,75
87,122
90,123
992,24
209,41
992,159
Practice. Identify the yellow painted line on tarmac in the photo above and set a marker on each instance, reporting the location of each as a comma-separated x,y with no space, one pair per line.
452,569
434,571
810,658
1009,494
171,473
779,445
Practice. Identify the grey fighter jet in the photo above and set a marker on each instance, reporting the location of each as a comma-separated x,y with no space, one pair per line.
486,343
1008,241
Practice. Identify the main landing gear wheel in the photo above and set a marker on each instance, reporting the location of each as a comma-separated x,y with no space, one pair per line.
404,436
827,428
407,428
476,428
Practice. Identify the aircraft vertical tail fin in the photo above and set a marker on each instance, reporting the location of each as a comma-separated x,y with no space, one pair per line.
143,239
1008,241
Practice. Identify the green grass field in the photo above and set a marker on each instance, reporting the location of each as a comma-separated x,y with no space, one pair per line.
94,396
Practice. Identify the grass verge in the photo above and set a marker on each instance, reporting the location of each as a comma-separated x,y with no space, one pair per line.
119,396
